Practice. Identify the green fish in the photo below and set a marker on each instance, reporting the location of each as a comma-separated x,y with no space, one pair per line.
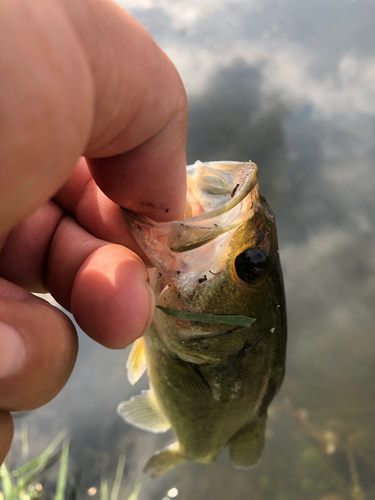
215,352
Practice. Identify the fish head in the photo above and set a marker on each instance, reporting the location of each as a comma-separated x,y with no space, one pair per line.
222,259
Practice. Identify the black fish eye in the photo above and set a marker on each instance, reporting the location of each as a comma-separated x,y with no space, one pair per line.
252,265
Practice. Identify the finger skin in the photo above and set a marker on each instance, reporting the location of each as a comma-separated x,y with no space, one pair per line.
24,253
79,79
142,125
142,161
104,285
46,104
119,96
6,434
94,211
122,294
103,88
51,347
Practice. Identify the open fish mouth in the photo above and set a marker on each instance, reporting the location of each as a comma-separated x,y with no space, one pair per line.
221,196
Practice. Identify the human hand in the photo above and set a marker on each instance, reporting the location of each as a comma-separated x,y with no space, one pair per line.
79,78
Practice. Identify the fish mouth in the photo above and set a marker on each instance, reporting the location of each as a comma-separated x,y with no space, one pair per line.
221,196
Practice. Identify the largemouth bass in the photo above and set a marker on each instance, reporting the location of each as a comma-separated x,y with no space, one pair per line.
215,352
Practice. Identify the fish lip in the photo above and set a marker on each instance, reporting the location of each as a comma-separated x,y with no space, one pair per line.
247,181
189,251
187,234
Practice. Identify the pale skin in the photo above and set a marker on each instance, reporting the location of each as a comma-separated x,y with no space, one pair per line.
79,78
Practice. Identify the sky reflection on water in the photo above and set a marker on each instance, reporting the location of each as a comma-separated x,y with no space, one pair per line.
289,85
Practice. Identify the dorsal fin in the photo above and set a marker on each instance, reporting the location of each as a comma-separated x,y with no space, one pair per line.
143,411
136,363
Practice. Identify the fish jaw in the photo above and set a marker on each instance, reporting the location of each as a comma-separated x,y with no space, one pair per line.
221,196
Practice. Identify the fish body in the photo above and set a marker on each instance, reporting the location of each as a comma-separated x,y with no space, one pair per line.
211,382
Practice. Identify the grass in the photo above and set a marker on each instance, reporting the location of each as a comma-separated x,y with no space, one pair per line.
226,319
25,482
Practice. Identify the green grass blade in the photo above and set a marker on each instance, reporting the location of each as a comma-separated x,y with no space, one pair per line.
104,489
75,493
118,477
63,472
136,490
35,475
25,440
6,483
104,482
43,457
75,481
227,319
33,464
36,466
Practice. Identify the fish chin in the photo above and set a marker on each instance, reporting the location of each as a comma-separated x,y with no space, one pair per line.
221,196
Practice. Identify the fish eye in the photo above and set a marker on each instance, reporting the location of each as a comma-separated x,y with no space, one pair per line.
252,265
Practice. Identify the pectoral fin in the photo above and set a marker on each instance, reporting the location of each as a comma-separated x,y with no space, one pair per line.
164,460
246,446
143,411
136,363
183,378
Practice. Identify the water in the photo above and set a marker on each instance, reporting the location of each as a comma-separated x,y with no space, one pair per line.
289,85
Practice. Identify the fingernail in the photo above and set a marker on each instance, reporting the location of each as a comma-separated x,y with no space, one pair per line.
12,350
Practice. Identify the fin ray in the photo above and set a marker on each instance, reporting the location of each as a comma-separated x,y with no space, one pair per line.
136,363
143,411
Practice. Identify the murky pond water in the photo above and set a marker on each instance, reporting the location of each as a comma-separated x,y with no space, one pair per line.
289,84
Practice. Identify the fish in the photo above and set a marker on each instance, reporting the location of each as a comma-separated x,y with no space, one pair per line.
215,351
